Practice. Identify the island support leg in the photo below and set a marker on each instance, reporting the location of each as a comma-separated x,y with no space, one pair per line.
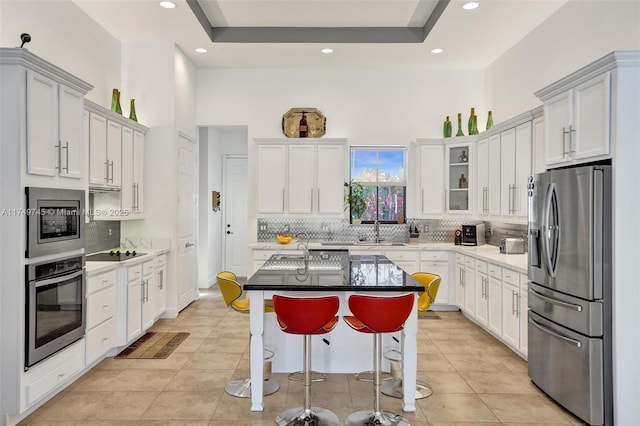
256,325
410,360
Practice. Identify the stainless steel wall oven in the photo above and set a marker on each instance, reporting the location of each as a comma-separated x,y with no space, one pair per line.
55,222
55,306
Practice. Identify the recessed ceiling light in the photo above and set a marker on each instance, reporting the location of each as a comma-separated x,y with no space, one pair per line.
327,50
470,5
201,50
168,4
437,50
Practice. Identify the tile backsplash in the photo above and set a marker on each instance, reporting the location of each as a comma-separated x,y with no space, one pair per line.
101,235
340,230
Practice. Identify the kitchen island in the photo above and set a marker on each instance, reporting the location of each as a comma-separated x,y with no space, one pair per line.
317,275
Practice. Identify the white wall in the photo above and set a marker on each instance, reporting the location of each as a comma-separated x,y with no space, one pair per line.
215,142
64,35
366,106
577,34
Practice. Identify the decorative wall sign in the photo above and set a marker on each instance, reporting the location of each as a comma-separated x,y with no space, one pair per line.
215,201
316,122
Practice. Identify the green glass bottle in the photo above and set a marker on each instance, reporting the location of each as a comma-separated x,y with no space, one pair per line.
132,111
489,121
459,125
118,109
447,128
474,126
114,99
470,122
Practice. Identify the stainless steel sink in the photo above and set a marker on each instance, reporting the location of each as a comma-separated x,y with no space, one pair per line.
336,243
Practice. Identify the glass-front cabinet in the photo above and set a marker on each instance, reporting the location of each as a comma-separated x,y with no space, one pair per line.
459,172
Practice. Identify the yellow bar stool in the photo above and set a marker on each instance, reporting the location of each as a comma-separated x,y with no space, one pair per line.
393,388
231,292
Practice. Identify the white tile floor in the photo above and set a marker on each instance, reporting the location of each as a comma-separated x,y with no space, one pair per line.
475,378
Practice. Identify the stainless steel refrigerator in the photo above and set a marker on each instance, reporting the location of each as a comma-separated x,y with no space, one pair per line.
570,289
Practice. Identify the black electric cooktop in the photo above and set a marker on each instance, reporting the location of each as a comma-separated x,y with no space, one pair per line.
113,256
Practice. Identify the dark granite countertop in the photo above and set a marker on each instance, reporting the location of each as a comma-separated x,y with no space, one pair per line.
331,271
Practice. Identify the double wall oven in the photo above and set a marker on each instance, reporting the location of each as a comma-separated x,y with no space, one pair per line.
55,279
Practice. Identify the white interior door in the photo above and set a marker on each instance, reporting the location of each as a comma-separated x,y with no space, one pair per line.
187,207
234,203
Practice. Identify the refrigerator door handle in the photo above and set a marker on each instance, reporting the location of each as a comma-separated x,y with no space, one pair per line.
547,299
546,231
559,336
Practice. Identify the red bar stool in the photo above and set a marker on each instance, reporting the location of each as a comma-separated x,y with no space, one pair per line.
377,315
307,316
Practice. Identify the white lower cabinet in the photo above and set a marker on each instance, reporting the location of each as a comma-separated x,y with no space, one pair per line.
134,302
469,286
481,298
101,310
511,308
160,286
406,260
437,262
494,294
459,277
149,293
524,320
52,373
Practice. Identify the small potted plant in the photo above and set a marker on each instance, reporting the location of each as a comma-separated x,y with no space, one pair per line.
355,199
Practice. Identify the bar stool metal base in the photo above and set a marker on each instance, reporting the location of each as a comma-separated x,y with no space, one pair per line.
393,389
316,376
368,417
242,388
315,417
367,376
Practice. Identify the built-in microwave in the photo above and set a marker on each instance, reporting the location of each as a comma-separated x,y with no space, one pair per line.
55,222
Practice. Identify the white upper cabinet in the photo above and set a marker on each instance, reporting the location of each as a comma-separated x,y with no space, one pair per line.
577,117
430,196
459,175
301,179
296,178
330,177
488,192
132,171
515,149
54,128
105,152
272,160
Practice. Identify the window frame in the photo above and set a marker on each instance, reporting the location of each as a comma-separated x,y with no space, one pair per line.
377,184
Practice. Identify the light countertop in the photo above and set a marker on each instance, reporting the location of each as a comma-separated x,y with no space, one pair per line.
486,252
94,268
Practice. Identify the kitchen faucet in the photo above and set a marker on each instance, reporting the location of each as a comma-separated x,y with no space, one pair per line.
304,244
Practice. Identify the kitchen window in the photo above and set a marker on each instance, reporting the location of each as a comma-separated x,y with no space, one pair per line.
382,173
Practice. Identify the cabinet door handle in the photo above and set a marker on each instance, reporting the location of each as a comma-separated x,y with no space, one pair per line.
422,199
66,146
564,143
106,165
188,245
110,165
105,306
283,199
318,199
59,148
571,132
161,277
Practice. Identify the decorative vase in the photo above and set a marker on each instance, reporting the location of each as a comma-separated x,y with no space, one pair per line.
115,100
447,128
470,122
489,121
132,111
474,126
459,125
